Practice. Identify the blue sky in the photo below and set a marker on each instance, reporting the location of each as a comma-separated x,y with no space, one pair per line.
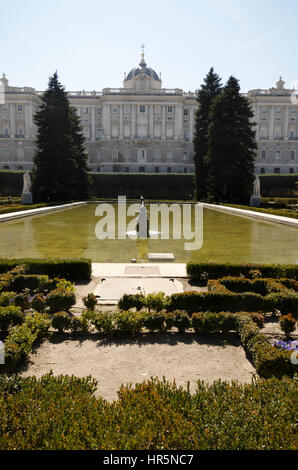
92,42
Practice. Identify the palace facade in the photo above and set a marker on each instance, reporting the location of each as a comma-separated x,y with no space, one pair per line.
144,127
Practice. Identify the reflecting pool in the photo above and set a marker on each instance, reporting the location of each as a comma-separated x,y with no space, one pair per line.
71,233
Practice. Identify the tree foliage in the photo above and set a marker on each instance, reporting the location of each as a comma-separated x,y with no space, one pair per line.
60,163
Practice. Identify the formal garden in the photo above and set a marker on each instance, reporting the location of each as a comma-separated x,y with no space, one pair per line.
62,411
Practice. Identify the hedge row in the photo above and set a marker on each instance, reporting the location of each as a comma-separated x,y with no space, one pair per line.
62,413
268,360
157,186
201,272
71,269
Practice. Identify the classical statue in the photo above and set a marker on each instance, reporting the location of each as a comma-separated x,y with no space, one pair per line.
27,182
26,194
255,200
257,188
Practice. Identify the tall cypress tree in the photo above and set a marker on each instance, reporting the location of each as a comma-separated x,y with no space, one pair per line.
208,91
81,177
231,146
59,159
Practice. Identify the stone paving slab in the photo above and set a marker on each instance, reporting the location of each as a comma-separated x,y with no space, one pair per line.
111,290
135,270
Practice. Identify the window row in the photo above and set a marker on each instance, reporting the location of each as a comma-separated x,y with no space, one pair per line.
276,170
277,154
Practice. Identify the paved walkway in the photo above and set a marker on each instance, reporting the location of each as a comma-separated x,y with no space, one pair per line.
158,270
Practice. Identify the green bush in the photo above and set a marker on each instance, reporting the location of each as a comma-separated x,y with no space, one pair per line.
10,316
61,321
23,337
13,356
79,325
62,413
38,303
90,301
70,269
127,323
129,301
199,272
59,299
6,298
154,320
22,300
156,301
258,319
182,320
105,323
287,324
206,322
39,324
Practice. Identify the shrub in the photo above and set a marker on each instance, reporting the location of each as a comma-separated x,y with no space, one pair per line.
105,323
207,322
38,303
23,337
6,298
38,323
128,323
129,301
182,320
169,320
79,325
61,321
90,301
13,356
10,316
156,301
154,320
59,300
258,319
22,300
287,324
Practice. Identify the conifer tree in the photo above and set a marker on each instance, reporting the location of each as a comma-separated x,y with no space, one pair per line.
59,162
208,91
231,147
81,177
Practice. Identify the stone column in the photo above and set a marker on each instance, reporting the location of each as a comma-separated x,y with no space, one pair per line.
27,121
163,122
12,113
133,120
285,133
191,124
31,119
106,119
271,122
151,128
121,121
178,130
93,123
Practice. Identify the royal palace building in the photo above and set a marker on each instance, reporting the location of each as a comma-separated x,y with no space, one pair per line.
144,127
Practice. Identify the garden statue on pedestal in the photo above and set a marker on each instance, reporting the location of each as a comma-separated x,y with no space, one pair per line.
143,223
255,200
26,193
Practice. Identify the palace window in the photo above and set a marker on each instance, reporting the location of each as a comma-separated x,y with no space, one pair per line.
157,169
142,109
20,107
99,110
278,110
141,169
185,155
292,154
262,170
291,170
170,109
86,111
5,107
277,170
169,169
263,154
114,109
170,154
293,111
291,134
98,156
185,169
170,119
114,153
277,155
6,132
186,112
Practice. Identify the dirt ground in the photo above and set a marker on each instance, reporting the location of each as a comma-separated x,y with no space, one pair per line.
184,359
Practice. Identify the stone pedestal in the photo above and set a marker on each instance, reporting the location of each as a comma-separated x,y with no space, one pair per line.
27,198
255,201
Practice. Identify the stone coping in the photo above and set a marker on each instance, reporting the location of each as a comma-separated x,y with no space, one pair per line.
39,211
174,270
254,214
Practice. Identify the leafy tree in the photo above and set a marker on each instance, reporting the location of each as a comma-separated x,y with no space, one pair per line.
60,170
231,146
208,91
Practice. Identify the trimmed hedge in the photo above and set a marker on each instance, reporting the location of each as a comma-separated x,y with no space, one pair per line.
279,185
201,272
71,269
62,413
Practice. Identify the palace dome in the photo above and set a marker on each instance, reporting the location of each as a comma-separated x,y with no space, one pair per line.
135,72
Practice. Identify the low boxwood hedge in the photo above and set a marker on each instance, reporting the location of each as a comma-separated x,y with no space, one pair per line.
71,269
201,272
62,413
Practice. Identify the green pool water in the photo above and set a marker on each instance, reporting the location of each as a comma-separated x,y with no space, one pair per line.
71,233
